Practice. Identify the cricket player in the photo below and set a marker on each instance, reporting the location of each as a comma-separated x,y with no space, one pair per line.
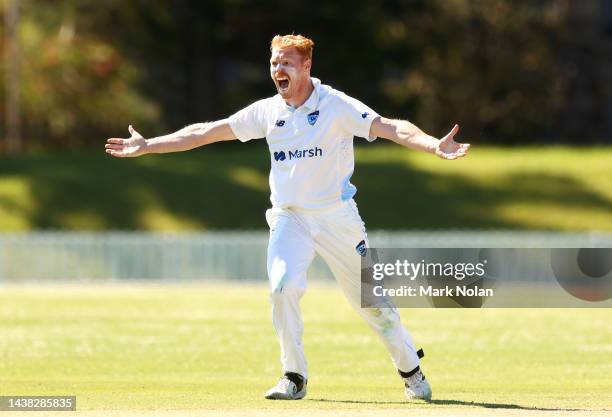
309,128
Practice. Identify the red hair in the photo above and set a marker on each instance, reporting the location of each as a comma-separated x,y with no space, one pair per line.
301,43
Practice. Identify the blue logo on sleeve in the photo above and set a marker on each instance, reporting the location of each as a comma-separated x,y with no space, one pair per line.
364,115
279,156
280,123
312,117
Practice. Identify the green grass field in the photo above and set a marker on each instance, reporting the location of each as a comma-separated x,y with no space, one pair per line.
212,347
226,187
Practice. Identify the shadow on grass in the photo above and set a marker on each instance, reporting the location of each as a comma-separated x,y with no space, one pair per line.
447,402
201,189
195,187
401,196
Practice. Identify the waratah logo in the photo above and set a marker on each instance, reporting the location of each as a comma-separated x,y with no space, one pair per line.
312,117
298,153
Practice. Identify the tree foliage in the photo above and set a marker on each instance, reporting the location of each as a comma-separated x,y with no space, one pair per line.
507,71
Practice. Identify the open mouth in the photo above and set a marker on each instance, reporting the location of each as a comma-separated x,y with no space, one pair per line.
283,83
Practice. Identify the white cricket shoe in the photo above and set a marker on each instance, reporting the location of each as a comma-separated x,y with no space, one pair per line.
417,387
286,390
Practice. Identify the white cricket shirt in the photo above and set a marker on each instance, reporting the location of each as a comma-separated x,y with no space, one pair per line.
311,147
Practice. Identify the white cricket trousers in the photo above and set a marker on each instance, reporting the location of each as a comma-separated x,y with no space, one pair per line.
334,233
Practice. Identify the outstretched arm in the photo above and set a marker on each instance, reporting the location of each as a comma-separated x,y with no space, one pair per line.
190,137
406,134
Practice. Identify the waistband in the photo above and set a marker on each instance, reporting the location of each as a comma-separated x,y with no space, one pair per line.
331,207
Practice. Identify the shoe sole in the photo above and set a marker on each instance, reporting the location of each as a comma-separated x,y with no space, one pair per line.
280,396
426,397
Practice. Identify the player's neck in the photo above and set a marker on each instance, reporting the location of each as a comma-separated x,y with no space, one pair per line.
302,95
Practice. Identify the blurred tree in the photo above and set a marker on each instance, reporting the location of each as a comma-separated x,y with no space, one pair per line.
586,61
507,71
12,142
75,85
489,65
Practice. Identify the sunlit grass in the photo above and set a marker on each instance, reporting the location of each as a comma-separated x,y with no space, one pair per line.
137,347
220,187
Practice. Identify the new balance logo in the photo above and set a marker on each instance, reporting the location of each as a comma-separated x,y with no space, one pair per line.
364,115
280,123
298,153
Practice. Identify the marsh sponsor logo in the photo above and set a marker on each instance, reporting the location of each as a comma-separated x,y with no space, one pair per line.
298,154
306,153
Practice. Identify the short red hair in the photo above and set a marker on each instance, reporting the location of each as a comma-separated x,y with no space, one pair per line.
301,43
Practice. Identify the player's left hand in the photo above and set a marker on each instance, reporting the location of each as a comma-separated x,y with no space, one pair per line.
449,149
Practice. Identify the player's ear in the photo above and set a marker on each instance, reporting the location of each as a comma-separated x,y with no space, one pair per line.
307,64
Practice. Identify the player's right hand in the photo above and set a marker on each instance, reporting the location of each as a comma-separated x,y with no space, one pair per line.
136,145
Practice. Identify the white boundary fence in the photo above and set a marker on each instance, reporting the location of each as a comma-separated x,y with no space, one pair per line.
79,256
